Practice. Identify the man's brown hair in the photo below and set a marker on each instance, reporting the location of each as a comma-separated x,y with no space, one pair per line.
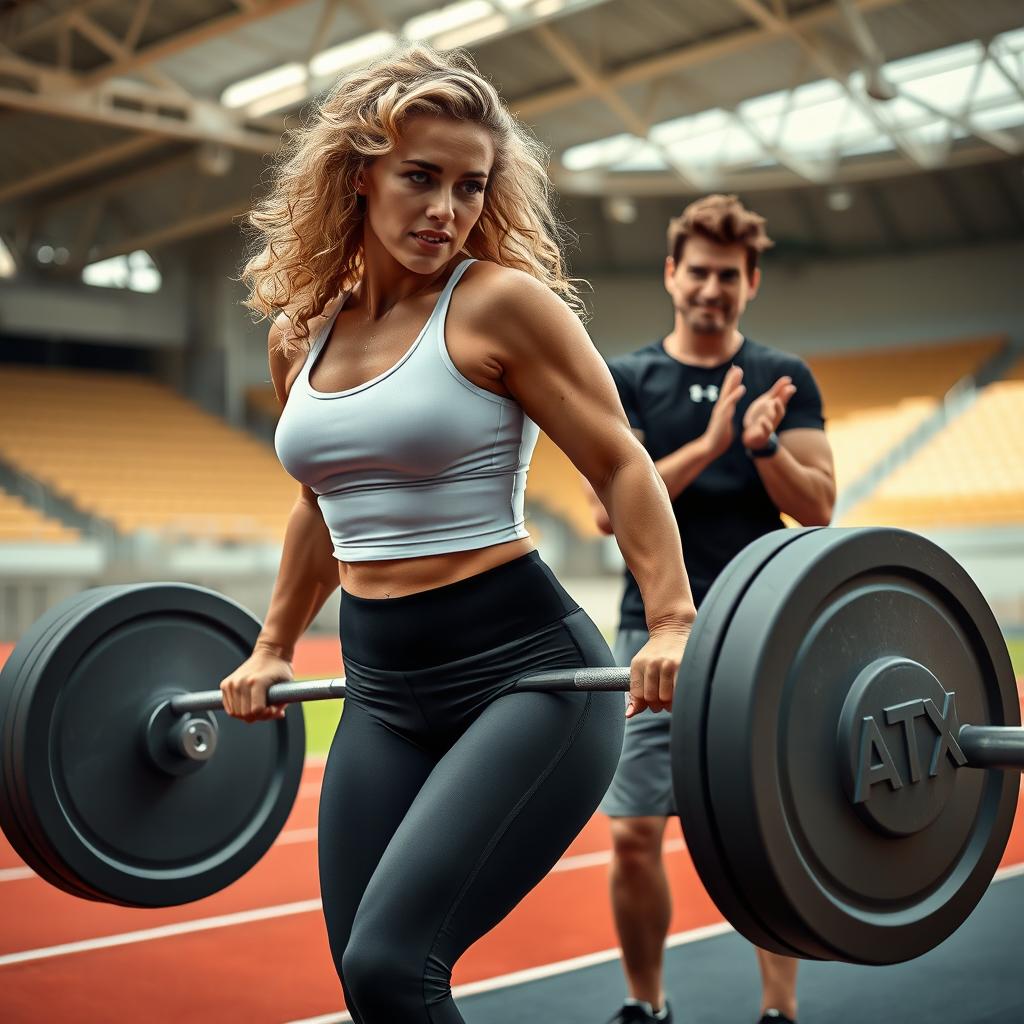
722,219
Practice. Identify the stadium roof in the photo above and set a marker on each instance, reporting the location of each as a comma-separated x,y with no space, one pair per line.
132,124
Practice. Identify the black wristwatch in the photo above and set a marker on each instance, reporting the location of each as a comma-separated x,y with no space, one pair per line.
767,451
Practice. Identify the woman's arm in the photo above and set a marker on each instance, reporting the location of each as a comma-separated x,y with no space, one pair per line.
307,576
549,364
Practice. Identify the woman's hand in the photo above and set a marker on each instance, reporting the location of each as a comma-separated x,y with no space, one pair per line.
653,672
245,690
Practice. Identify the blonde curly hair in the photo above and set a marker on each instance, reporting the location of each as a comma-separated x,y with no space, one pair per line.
307,232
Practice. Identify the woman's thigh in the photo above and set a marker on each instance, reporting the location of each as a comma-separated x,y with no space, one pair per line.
371,778
491,820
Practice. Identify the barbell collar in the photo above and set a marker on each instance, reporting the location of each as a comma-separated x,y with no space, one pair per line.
993,746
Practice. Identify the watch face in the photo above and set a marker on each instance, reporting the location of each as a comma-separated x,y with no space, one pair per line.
768,450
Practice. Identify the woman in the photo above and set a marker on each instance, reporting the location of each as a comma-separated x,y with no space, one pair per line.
411,407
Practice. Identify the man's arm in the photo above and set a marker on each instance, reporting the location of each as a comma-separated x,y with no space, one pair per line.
680,468
800,478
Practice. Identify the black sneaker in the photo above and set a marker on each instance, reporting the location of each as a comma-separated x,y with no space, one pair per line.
641,1013
775,1017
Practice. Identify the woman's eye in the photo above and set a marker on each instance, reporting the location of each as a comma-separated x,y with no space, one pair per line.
418,177
474,187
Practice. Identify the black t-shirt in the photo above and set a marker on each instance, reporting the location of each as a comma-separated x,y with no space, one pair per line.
669,403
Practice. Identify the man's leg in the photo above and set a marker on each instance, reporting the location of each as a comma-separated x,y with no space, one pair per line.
638,802
641,903
778,982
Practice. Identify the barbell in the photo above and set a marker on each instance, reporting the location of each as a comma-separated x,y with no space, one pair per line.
818,753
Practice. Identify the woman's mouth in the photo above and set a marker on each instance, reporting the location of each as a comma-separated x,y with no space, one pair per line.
432,240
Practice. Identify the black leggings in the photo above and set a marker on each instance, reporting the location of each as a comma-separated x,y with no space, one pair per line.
446,797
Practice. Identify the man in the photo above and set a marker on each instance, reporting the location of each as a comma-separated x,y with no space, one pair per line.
736,431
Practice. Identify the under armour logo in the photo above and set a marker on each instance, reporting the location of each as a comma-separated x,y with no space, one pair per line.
699,394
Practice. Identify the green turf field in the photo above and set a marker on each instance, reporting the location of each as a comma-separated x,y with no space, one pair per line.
321,721
322,715
1016,646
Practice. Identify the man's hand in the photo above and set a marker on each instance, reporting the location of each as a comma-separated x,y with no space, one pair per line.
765,413
719,433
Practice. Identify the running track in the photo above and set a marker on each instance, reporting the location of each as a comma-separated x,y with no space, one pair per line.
257,950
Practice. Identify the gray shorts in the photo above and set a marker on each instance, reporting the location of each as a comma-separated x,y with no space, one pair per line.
642,785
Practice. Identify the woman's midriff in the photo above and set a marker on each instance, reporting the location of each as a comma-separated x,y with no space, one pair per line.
402,576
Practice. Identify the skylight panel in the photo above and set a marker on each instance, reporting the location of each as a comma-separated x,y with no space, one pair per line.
1012,40
474,32
813,128
446,18
589,155
946,90
936,62
992,88
927,133
643,157
8,268
1010,115
135,272
248,90
352,53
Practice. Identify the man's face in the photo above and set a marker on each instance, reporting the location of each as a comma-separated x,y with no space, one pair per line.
709,285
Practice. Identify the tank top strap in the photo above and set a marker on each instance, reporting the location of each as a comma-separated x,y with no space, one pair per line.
441,309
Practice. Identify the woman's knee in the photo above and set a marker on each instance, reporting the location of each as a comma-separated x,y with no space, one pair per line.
369,971
388,981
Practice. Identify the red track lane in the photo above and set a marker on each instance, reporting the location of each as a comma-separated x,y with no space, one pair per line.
287,874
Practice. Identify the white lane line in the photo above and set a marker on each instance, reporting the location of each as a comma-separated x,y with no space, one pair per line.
163,932
288,837
16,874
545,971
296,835
591,860
1010,871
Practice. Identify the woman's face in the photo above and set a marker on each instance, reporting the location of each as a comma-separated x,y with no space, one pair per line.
424,197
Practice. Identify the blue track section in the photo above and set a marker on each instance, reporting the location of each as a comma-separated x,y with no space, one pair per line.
975,977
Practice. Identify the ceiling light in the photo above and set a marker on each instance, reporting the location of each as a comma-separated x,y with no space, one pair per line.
619,209
839,199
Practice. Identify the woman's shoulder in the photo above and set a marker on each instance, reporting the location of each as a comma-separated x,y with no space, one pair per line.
494,290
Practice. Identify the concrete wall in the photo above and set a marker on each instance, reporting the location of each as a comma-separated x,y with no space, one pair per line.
74,311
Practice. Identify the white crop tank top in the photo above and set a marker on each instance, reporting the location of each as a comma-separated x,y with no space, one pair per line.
418,461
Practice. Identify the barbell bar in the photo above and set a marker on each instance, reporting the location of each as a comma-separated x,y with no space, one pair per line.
816,744
986,747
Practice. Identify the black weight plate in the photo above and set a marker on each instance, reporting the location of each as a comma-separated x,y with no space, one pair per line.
17,667
127,831
689,740
824,877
